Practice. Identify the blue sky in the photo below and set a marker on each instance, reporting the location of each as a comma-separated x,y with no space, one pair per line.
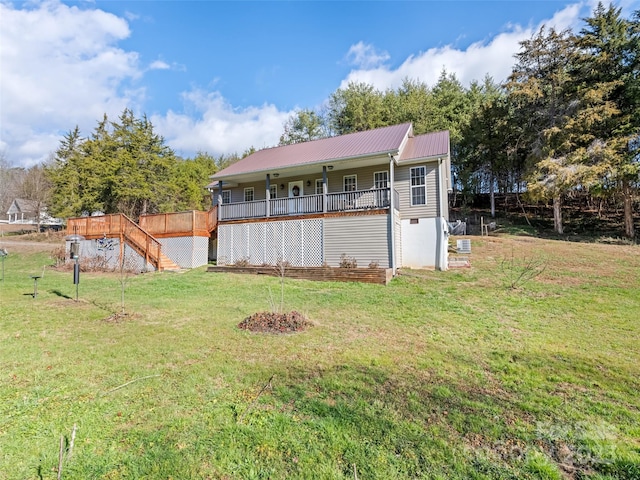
223,76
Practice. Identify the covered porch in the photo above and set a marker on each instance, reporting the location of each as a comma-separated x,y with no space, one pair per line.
376,198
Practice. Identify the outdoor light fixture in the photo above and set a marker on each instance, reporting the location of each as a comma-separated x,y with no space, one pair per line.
276,175
74,253
308,183
330,167
282,186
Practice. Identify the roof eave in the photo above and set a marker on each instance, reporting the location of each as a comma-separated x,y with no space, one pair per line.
430,158
384,153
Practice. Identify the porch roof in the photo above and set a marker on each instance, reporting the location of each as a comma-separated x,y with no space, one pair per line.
355,145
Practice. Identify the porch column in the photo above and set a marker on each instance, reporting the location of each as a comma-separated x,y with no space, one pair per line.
268,195
219,200
324,189
392,218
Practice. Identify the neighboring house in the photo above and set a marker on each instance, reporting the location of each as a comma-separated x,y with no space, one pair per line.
29,212
379,197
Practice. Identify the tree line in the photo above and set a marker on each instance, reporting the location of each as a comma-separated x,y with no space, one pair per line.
124,166
566,121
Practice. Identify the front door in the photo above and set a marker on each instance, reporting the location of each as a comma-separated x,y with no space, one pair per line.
295,194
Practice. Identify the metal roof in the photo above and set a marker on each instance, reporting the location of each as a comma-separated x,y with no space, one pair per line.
396,140
370,142
434,144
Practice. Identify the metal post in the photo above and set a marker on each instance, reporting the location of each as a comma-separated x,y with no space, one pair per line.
74,253
3,254
76,276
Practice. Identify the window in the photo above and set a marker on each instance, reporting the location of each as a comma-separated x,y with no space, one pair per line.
418,185
273,190
381,179
350,183
248,194
226,196
319,186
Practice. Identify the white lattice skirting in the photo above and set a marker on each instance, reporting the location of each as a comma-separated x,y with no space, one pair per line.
298,242
107,255
187,252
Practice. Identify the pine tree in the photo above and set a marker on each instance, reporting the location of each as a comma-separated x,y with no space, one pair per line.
606,126
540,88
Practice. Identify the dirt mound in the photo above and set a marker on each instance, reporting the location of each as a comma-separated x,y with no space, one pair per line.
271,322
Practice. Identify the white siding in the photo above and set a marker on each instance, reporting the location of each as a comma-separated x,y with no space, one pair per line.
365,238
404,191
398,239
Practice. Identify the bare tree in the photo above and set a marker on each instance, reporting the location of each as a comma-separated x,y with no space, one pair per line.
10,178
36,188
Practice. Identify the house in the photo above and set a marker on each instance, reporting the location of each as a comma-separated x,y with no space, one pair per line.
377,197
30,212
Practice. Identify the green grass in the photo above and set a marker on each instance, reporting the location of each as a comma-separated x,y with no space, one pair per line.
437,375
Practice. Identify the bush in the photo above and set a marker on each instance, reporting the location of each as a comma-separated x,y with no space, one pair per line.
348,262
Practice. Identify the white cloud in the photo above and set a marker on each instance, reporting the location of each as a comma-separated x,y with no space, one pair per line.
365,56
159,65
60,68
493,56
214,126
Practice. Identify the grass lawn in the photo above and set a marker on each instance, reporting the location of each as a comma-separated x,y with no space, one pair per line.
437,375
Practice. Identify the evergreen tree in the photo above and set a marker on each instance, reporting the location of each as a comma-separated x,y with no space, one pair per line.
123,167
357,108
140,169
411,102
72,176
191,178
303,126
606,125
539,87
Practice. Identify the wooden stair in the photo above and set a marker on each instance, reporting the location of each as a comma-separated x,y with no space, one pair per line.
166,263
121,226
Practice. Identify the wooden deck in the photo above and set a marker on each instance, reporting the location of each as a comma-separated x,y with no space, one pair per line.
381,276
181,224
122,227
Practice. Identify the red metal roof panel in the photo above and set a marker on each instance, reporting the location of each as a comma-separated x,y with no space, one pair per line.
370,142
428,145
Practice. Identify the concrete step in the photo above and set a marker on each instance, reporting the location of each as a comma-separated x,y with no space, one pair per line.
459,262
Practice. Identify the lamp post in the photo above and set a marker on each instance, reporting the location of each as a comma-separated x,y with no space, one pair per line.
74,253
3,254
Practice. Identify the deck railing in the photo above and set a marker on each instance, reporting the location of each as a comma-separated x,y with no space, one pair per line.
117,224
335,202
295,205
188,223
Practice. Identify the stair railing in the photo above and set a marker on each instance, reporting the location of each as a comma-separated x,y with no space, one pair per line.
121,225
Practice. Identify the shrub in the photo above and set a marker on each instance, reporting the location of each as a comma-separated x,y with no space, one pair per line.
59,255
348,262
242,262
